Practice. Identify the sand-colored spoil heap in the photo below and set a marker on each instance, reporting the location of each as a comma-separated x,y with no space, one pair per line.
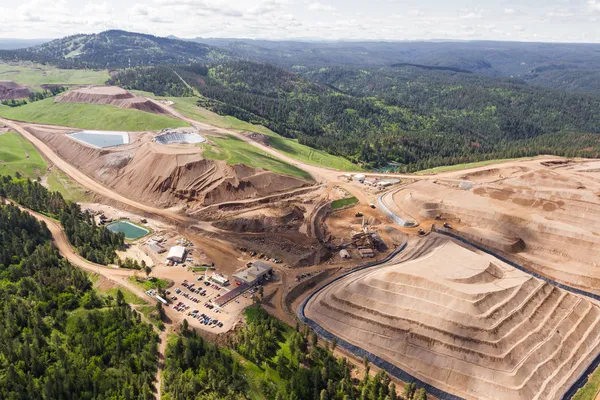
548,219
110,95
464,322
163,176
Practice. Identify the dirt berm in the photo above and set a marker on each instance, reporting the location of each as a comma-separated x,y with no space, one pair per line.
157,175
11,90
110,95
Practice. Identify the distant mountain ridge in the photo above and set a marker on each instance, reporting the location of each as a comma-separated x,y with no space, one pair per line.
116,49
14,44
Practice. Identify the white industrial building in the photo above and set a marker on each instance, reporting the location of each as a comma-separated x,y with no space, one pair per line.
253,274
220,279
177,254
359,178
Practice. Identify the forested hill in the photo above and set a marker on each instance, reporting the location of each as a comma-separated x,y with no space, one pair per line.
59,339
413,116
534,62
116,49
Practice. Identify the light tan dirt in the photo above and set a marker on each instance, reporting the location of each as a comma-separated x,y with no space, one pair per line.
465,322
164,176
548,218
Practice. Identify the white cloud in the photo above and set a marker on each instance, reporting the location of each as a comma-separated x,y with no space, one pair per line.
560,13
316,6
550,20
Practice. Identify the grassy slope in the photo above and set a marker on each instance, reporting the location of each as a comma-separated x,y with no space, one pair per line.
265,372
343,202
187,106
236,151
34,74
18,155
457,167
70,190
591,388
89,116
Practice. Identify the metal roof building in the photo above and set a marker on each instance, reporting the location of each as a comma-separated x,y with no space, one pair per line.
253,273
176,254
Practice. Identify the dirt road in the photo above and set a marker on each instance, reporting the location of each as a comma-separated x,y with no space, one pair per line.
86,181
120,277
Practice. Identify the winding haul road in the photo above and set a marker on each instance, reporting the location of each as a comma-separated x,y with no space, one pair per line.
121,277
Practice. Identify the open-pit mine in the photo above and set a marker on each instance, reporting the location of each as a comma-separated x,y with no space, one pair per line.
482,283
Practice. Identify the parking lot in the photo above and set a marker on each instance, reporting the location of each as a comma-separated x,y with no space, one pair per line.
192,297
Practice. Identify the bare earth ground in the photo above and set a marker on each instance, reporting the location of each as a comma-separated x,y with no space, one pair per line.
464,322
543,214
111,95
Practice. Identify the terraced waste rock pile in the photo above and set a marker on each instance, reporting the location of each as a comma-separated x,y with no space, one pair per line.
464,322
547,218
110,95
166,177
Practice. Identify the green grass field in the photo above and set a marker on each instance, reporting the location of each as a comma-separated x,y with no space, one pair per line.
127,295
18,155
336,204
89,116
35,74
187,106
151,283
236,151
591,388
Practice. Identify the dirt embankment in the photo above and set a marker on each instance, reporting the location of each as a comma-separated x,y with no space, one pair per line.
11,91
142,172
290,220
110,95
548,215
464,322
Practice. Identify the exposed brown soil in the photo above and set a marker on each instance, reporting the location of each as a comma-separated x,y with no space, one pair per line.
165,176
111,95
11,91
287,220
464,322
549,215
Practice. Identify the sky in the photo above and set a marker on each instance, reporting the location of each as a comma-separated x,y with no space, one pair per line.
531,20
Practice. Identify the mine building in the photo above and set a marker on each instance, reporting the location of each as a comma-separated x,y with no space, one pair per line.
254,274
177,254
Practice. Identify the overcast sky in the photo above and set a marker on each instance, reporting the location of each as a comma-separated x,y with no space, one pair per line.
538,20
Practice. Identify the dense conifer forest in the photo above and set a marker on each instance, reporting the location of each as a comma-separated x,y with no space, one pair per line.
271,360
95,243
58,339
408,116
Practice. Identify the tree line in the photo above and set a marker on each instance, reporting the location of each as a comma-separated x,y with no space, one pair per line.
94,243
58,338
287,364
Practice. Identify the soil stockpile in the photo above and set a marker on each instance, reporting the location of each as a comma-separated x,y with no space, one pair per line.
289,220
464,322
110,95
175,177
11,91
546,218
